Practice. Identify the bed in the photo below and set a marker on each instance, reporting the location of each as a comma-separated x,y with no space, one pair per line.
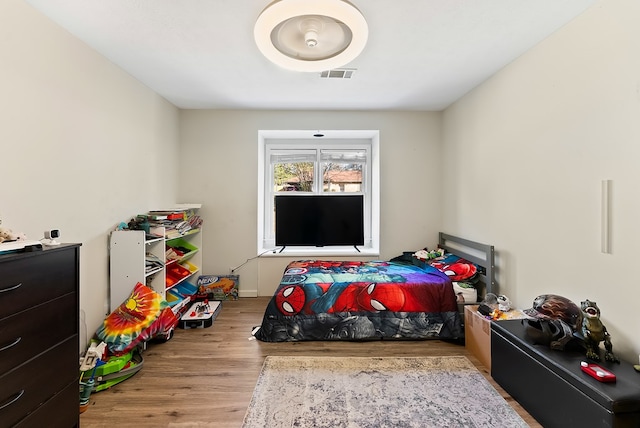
403,298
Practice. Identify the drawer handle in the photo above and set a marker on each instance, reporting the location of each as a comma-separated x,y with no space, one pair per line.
11,345
4,290
12,400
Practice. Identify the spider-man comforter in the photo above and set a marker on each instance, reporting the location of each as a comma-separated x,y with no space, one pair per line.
349,300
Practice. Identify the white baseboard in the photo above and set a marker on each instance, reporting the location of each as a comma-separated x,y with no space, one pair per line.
247,293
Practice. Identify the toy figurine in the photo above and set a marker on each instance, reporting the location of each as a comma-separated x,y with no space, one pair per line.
594,332
504,304
9,236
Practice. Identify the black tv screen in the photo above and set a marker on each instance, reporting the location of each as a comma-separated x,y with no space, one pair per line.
314,220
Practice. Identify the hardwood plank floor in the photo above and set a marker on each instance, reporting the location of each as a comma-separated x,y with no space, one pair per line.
205,377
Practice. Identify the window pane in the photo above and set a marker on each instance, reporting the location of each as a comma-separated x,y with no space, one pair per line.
293,176
342,177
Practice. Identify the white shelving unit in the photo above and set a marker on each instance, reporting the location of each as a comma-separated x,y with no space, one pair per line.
128,254
132,250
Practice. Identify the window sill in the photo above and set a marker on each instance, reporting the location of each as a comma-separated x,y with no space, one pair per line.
315,252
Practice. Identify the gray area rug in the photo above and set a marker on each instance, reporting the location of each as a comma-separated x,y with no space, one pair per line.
359,392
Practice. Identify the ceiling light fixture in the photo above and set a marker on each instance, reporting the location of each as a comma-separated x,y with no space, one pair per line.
311,35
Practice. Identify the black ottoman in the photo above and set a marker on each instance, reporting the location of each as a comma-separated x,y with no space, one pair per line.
551,386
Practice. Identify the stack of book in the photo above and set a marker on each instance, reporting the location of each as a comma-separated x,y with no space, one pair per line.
177,223
152,263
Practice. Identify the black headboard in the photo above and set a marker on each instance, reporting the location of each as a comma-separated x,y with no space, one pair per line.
480,254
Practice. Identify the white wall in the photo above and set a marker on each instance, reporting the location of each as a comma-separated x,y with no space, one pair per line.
525,154
84,145
219,164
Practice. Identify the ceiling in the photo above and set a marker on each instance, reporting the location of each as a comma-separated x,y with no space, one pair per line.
421,54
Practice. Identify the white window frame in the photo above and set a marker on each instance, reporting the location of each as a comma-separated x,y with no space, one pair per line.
296,139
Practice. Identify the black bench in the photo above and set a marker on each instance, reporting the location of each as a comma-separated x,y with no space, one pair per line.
550,385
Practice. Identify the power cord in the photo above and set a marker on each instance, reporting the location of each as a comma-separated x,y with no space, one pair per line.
252,258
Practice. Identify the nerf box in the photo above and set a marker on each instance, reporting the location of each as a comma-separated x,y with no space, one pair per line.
218,287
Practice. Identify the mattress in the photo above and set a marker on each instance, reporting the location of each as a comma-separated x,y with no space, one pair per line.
361,300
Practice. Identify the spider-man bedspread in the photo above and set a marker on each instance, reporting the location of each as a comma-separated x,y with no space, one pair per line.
350,300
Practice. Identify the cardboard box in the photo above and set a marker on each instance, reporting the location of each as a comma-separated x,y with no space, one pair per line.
218,287
477,335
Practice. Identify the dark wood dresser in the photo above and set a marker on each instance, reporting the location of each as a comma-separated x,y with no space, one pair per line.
39,341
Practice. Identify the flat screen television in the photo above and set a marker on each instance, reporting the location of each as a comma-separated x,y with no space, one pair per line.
318,221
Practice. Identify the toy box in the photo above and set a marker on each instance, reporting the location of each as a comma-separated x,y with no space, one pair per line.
218,287
200,315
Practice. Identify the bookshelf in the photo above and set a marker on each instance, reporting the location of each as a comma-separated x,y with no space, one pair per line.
167,258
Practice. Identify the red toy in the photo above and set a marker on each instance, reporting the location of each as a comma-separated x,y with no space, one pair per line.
597,372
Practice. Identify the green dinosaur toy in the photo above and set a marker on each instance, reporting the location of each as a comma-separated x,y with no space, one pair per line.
595,332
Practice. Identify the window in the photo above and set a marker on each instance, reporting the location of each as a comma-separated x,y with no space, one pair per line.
342,162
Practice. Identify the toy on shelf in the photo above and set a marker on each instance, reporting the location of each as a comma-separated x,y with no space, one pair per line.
593,332
504,304
498,308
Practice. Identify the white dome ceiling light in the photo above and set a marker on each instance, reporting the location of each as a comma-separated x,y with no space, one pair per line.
311,35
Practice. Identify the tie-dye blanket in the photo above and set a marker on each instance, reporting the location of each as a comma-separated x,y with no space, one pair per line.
354,300
144,315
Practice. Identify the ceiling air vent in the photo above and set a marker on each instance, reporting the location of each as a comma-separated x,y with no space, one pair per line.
338,73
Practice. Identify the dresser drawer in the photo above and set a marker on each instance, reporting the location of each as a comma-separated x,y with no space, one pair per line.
27,281
23,389
61,411
31,332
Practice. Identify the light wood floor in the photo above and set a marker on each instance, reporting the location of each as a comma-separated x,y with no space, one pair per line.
205,377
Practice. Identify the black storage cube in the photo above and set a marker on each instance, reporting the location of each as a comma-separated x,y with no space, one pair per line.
550,385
